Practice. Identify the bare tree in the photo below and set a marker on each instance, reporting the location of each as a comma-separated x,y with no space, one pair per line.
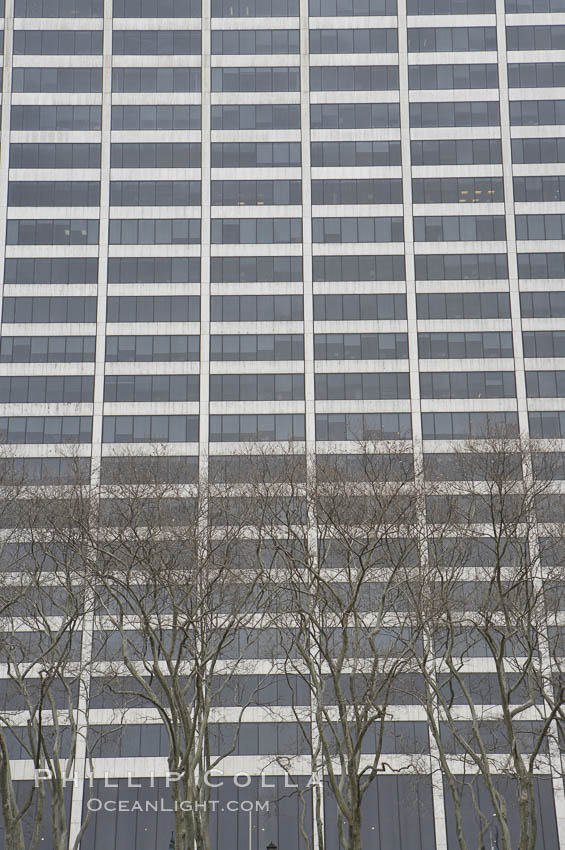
168,582
42,610
479,596
366,586
345,537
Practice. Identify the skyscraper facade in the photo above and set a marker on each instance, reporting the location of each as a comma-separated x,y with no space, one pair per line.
237,222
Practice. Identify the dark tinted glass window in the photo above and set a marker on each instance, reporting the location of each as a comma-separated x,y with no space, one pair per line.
49,155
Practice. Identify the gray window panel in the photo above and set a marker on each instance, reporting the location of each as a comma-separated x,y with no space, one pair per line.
363,426
51,193
541,265
156,80
346,8
542,305
535,6
56,42
49,231
355,153
466,466
151,739
256,308
157,8
546,384
13,698
354,41
547,424
59,8
133,193
47,470
155,155
47,349
255,231
154,231
56,309
467,385
171,510
557,633
74,118
449,39
535,37
353,78
66,270
364,468
46,155
228,347
243,690
20,556
398,736
156,117
543,343
258,738
461,266
45,429
538,150
46,390
255,154
454,228
392,346
257,387
256,428
377,191
456,152
156,42
351,267
458,190
458,114
365,229
153,308
255,269
534,74
352,307
153,270
453,76
552,555
369,385
150,429
540,226
132,470
256,117
451,7
325,116
243,192
235,42
546,188
255,8
410,796
465,344
152,349
134,740
463,305
151,388
532,113
475,797
255,79
57,80
462,426
478,553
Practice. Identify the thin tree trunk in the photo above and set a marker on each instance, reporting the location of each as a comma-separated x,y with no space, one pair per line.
354,832
13,830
